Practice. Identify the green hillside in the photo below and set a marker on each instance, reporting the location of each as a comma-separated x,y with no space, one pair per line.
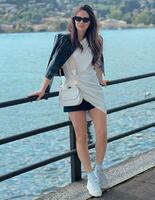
53,15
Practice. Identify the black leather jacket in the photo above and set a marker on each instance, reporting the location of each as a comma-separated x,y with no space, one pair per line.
62,50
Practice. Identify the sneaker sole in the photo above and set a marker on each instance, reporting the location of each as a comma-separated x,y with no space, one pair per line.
94,195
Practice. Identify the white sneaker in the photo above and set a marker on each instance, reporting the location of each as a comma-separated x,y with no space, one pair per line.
103,182
94,187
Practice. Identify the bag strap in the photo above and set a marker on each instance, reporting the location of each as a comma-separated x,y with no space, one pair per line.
61,79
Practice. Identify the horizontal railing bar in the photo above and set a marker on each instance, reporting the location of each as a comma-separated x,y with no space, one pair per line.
63,124
131,78
125,134
70,153
27,99
36,165
129,105
33,132
128,133
53,94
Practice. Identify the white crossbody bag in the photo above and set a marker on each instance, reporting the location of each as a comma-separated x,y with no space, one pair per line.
69,95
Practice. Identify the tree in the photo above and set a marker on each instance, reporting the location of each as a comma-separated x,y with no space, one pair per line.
128,18
36,18
153,18
130,5
115,13
143,17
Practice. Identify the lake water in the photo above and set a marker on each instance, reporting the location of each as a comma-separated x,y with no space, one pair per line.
23,60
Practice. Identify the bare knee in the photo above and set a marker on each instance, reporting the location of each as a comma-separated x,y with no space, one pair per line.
101,131
81,137
80,126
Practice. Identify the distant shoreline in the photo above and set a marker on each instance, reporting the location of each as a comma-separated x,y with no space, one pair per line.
48,31
5,28
50,16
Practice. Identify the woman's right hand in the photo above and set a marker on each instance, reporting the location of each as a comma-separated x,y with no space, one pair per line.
39,93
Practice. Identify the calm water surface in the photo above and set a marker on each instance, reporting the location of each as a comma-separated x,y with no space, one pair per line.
23,60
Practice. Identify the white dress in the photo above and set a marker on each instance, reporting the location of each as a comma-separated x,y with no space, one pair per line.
78,70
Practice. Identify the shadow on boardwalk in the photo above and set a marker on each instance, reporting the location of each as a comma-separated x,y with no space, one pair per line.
141,187
132,179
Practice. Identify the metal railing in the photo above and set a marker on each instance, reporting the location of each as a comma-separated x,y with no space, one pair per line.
75,162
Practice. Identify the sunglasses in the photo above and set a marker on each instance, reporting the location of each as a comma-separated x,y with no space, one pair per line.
84,19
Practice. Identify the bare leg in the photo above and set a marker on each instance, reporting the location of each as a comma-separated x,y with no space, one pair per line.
79,122
100,124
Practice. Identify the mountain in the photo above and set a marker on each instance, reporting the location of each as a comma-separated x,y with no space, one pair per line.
51,15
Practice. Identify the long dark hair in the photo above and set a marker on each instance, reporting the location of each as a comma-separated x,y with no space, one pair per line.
94,40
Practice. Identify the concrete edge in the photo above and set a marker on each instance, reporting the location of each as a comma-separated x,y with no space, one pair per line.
115,175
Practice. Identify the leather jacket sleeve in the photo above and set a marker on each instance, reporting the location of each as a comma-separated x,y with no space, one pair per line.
102,58
102,63
53,61
60,53
49,73
62,50
55,45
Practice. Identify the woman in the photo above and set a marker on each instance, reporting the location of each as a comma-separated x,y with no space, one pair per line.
79,56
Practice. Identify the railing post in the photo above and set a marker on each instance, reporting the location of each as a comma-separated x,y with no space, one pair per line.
75,162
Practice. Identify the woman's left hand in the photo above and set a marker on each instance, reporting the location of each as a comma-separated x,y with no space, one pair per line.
103,82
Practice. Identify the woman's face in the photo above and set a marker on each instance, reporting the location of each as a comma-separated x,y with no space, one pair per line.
82,20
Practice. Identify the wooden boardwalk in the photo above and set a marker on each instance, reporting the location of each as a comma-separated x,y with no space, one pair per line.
132,179
141,187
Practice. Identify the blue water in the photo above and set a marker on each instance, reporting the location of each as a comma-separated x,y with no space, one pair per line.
23,60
